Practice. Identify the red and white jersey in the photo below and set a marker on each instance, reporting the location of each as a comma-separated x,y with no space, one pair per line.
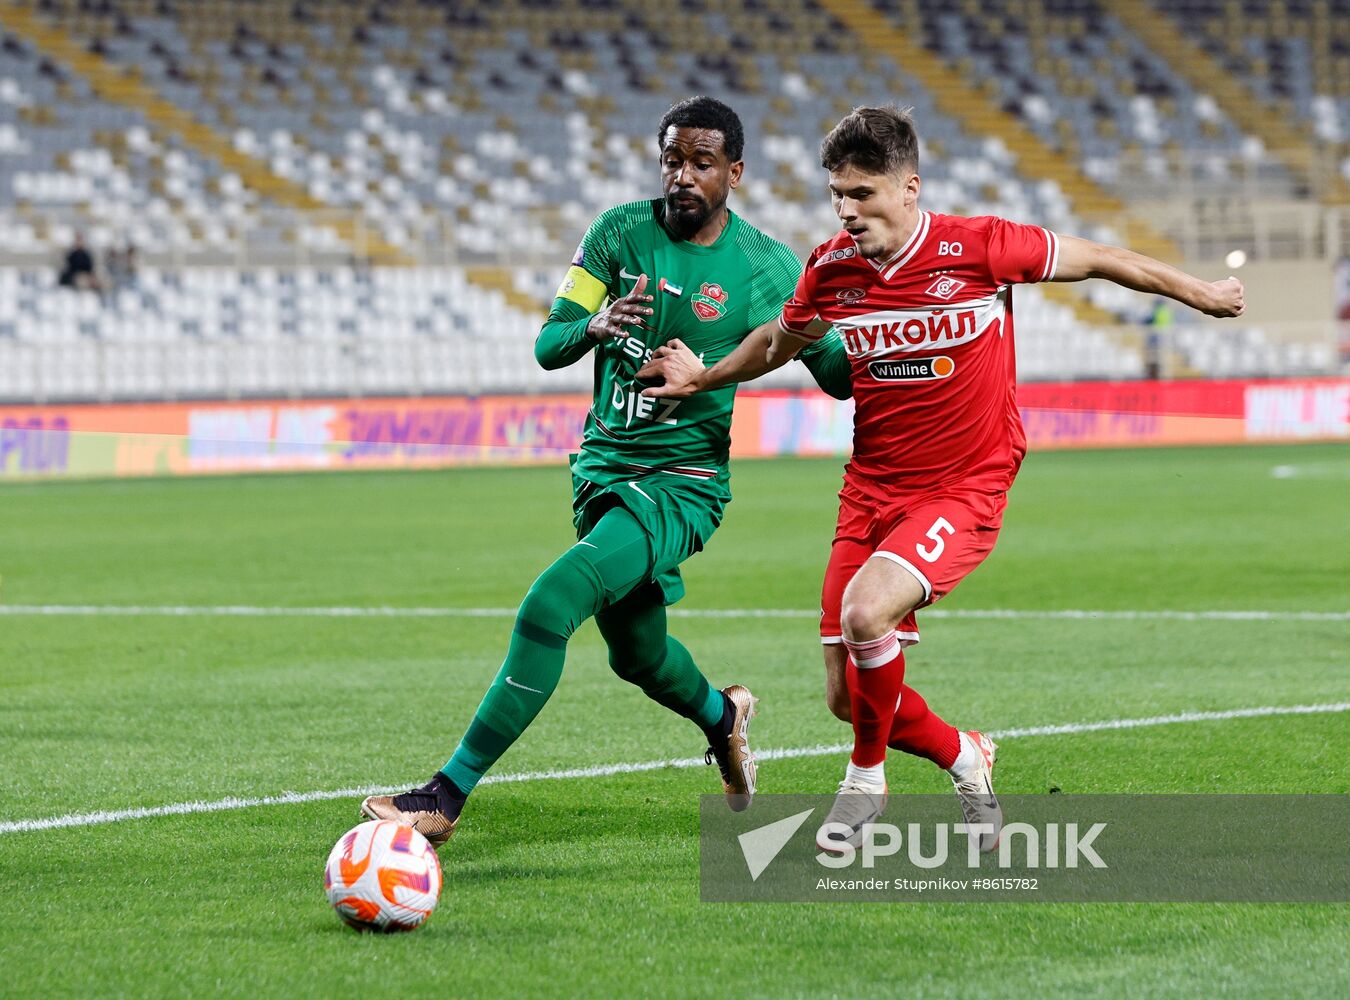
929,333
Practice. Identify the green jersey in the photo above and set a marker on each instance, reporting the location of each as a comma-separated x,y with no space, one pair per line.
709,297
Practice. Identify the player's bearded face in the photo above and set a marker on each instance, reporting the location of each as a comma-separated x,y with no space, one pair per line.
879,211
696,177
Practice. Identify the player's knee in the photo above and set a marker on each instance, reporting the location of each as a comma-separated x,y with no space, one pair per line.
624,668
633,652
633,667
564,596
633,656
864,620
545,610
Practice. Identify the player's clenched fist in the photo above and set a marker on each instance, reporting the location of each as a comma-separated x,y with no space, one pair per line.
678,366
1228,299
631,310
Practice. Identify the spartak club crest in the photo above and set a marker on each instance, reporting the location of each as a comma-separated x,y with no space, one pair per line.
709,302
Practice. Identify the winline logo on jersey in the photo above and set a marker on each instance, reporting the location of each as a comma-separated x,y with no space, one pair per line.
912,369
1051,848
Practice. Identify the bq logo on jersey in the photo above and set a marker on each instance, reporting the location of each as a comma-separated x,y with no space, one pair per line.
709,302
915,370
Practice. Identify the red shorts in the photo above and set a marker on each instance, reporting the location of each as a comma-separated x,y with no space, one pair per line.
938,537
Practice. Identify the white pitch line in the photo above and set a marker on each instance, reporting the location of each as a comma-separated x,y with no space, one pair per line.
1161,614
246,611
609,770
251,611
1330,470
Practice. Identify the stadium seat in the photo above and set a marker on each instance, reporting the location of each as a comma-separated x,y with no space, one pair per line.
492,134
1086,85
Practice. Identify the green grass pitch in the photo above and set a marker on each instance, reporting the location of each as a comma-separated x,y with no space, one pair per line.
588,887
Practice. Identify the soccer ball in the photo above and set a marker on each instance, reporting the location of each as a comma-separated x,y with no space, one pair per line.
382,876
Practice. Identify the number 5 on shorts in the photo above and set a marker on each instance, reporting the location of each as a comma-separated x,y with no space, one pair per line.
940,526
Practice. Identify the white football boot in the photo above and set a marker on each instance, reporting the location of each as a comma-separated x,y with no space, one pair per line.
858,805
975,790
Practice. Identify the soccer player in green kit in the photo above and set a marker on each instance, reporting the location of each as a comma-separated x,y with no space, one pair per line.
651,480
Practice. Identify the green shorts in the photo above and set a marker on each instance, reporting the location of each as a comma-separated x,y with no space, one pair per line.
678,514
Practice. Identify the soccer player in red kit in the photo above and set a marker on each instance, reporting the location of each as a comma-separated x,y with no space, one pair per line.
924,306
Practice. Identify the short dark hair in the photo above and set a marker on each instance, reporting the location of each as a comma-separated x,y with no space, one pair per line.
875,140
709,113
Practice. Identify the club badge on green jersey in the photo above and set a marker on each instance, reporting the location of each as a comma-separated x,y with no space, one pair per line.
709,302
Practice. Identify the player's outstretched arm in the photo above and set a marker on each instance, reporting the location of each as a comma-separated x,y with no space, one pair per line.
766,348
682,374
1079,259
571,331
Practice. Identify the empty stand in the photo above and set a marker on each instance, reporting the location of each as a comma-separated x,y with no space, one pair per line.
1291,55
221,332
493,130
1090,88
260,153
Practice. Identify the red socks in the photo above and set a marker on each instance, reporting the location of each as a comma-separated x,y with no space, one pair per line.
876,682
876,672
917,730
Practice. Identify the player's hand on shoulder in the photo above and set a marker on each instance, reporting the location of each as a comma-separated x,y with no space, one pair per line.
1227,299
631,310
676,366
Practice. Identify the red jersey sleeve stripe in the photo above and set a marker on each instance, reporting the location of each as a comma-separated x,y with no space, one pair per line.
782,325
1051,255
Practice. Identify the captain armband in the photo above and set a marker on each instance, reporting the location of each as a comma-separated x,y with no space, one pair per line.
583,288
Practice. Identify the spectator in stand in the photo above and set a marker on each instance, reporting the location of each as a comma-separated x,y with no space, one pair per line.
120,267
1157,339
78,270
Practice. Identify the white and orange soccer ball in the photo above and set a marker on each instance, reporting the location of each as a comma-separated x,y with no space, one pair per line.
383,876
